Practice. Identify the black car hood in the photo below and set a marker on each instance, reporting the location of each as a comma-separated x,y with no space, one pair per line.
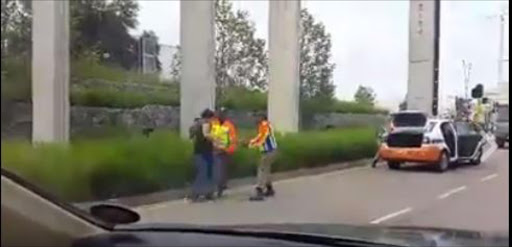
401,236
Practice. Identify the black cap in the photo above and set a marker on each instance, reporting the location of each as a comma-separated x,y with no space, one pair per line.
207,113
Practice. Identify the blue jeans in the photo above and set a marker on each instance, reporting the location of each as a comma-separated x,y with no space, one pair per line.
204,180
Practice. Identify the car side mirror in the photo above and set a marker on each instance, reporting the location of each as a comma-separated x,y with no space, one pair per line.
114,214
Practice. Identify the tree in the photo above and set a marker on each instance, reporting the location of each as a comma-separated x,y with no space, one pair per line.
365,95
240,57
316,70
98,26
102,26
16,27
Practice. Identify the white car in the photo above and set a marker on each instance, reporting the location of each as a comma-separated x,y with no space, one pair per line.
432,141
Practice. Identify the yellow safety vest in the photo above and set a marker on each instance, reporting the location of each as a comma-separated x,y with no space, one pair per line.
479,113
221,134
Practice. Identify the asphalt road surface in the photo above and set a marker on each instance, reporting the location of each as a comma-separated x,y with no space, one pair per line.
466,197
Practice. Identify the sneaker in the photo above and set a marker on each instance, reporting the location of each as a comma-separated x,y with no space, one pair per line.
269,191
191,199
220,192
258,196
209,197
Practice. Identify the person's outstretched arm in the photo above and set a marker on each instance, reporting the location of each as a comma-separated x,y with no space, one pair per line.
263,131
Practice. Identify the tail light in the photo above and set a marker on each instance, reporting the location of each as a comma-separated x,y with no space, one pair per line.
426,140
391,127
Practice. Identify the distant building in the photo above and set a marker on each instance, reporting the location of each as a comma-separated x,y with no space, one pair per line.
165,57
148,57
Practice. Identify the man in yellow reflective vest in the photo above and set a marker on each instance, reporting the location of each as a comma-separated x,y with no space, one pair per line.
478,115
220,132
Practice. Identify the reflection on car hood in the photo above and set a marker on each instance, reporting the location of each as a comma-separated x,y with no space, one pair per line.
401,236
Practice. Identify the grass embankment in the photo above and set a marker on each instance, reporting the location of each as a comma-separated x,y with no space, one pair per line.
123,166
16,86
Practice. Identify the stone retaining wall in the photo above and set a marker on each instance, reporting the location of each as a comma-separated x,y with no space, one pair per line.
17,119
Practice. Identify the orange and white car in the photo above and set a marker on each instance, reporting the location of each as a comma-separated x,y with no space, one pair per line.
415,138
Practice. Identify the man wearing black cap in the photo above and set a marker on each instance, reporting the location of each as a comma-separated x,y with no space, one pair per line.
203,157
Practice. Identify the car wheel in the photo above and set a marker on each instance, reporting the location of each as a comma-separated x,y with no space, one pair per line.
500,143
443,163
478,158
393,165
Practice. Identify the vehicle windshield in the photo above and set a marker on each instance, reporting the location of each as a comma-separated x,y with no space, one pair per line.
252,112
502,113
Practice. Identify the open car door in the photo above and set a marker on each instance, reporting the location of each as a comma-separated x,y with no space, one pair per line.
469,139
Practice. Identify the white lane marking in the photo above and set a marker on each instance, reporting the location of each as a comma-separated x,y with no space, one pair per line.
391,215
489,152
494,175
451,192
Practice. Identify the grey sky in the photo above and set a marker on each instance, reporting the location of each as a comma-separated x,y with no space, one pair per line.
370,38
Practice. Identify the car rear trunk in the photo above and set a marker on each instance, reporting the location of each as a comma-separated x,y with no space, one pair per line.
405,139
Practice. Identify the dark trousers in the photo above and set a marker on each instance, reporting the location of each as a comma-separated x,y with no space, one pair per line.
204,179
222,160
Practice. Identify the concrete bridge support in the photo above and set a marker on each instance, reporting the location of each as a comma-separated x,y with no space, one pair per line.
50,71
423,78
284,58
197,41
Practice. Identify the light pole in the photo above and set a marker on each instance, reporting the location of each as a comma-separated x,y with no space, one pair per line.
501,58
467,74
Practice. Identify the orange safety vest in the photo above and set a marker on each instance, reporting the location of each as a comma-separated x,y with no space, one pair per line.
232,136
265,140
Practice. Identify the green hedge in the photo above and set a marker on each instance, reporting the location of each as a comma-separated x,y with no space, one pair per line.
122,166
86,68
122,99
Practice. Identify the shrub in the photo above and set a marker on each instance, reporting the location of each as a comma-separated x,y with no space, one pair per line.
91,169
16,78
86,68
239,98
354,107
121,166
102,97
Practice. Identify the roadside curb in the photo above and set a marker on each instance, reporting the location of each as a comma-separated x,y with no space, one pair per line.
234,184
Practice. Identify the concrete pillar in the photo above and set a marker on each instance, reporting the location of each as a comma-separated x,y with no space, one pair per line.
197,41
284,58
50,71
422,85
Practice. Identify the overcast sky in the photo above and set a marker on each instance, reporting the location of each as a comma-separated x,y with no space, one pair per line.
370,41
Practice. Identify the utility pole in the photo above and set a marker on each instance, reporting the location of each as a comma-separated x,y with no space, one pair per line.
466,67
501,58
501,42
